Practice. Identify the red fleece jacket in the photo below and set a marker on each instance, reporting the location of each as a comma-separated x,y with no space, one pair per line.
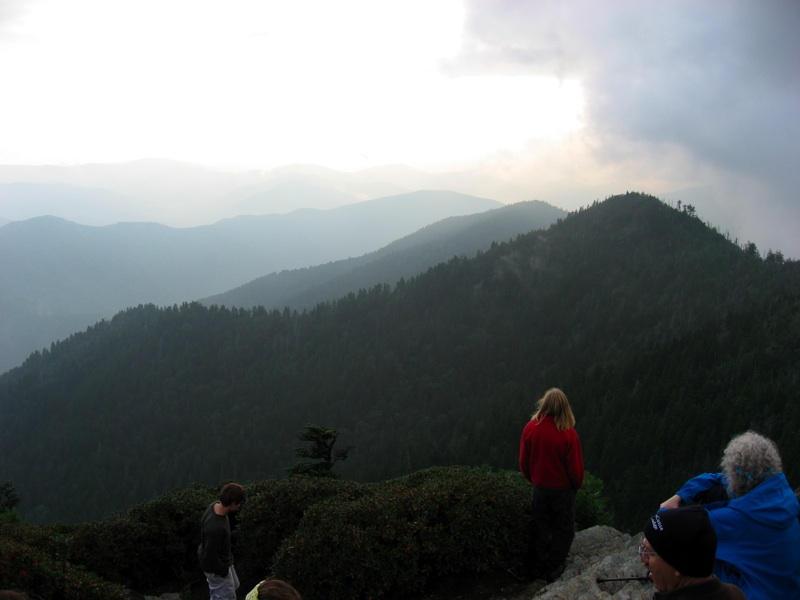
551,458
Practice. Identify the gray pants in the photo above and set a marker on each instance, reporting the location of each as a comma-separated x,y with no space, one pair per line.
223,588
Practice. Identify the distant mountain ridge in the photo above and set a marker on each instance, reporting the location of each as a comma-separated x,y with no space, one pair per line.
59,277
404,258
170,192
186,195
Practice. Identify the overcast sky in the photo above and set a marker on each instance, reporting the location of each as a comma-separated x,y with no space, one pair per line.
560,101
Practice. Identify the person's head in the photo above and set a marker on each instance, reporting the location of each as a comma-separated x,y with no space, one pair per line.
231,494
679,546
554,404
749,459
274,589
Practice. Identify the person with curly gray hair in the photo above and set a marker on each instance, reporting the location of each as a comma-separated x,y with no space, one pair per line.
754,513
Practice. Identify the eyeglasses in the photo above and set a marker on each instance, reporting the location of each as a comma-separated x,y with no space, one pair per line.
643,551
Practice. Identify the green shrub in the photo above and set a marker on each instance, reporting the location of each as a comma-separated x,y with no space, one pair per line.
349,550
402,533
591,504
147,545
272,512
9,517
330,538
30,560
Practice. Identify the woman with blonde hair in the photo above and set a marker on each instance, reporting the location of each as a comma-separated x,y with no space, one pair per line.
550,457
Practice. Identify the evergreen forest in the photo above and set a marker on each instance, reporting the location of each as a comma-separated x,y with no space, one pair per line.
667,336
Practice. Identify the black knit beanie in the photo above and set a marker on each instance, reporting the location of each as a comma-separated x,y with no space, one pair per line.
684,538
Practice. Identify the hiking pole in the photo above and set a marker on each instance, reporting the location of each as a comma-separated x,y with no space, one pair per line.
605,579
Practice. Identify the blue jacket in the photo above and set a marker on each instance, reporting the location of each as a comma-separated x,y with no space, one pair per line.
758,536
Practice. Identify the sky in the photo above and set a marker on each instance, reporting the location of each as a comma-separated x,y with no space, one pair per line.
561,101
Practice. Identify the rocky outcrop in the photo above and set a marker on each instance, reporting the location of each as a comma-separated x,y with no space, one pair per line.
597,552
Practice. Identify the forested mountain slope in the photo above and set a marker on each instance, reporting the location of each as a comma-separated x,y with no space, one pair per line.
667,337
667,413
59,277
404,258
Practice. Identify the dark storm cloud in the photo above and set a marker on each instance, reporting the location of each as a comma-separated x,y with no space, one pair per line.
719,80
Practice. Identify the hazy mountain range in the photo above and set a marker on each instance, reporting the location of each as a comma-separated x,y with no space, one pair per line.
404,258
186,195
58,277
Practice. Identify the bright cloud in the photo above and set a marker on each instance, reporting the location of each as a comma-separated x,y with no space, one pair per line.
250,83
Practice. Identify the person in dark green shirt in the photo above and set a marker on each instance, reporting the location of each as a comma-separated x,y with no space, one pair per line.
214,551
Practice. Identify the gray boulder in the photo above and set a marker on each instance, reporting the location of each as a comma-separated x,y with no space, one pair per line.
596,552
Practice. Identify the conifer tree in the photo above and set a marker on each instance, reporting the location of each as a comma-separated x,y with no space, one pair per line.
322,440
9,500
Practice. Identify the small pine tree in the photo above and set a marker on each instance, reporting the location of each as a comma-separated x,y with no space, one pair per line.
322,440
9,500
